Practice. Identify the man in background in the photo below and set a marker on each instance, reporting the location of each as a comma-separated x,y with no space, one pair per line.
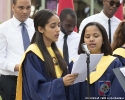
15,36
68,39
105,17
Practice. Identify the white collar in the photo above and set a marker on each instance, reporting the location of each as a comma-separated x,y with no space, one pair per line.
17,22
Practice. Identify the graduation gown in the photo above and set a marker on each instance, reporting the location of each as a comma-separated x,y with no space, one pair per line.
33,82
120,53
103,73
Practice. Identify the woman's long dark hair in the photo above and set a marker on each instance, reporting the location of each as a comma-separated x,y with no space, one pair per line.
41,19
119,36
106,48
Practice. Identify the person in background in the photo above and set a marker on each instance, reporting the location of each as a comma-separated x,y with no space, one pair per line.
68,39
105,17
103,82
43,74
118,44
15,36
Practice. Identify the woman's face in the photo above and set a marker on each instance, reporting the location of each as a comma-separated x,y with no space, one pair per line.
93,38
51,30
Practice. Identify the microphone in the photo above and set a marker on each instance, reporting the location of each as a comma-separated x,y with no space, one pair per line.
85,48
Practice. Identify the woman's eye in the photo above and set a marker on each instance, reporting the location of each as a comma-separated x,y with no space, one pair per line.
87,36
96,36
53,26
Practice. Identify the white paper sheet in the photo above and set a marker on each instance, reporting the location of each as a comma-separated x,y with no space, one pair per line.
123,71
80,65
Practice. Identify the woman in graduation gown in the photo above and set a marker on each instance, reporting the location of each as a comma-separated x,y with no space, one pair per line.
103,82
118,44
43,72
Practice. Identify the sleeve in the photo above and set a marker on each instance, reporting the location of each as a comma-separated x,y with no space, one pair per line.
35,83
4,63
116,89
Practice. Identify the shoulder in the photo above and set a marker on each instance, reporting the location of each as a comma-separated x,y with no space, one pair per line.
112,61
6,26
31,54
115,59
32,61
120,52
35,49
75,34
74,37
6,23
31,57
120,57
116,19
91,18
116,62
87,20
30,21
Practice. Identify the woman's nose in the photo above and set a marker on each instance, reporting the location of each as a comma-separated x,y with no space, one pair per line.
91,38
58,28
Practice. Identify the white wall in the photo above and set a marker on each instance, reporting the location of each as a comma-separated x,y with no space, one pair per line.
5,10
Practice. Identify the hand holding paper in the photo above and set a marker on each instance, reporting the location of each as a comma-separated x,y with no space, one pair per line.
80,65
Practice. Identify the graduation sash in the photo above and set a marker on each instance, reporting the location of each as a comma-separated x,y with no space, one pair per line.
101,68
120,52
34,48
